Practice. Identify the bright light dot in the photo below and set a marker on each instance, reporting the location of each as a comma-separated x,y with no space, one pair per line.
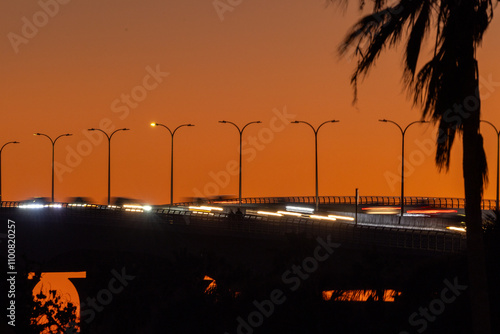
31,206
341,217
269,213
322,217
296,214
299,209
205,208
453,228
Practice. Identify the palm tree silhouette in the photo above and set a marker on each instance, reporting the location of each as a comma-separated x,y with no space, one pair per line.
446,88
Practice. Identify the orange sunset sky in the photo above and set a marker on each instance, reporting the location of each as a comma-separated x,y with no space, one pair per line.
256,61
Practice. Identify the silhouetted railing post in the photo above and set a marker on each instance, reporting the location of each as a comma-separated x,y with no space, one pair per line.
357,203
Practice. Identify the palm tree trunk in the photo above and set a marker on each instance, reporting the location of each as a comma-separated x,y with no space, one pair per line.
474,166
475,246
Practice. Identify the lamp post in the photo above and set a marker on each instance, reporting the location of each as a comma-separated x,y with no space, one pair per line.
498,159
1,149
53,142
241,136
172,133
403,132
109,156
316,152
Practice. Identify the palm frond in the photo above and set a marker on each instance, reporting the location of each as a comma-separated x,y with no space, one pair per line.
373,33
438,86
418,31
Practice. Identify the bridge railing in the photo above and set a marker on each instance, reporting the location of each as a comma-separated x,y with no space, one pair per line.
247,224
437,202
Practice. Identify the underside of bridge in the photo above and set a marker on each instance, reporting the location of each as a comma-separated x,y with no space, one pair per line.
169,262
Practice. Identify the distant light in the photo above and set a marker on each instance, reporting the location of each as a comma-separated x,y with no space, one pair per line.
132,206
415,215
382,210
153,124
82,205
299,209
137,207
40,206
296,214
31,206
341,217
432,211
322,217
205,208
459,229
211,208
267,213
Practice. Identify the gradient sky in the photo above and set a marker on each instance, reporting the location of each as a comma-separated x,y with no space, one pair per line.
257,61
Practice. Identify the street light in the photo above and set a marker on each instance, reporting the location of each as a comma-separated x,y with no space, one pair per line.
172,133
109,156
316,152
498,152
1,149
403,132
241,135
53,142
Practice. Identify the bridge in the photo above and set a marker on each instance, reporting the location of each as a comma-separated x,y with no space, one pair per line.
336,217
62,235
375,252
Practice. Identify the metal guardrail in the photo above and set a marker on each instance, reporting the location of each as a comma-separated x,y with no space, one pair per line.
437,202
343,232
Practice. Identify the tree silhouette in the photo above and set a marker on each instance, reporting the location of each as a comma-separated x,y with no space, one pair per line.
52,315
446,88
